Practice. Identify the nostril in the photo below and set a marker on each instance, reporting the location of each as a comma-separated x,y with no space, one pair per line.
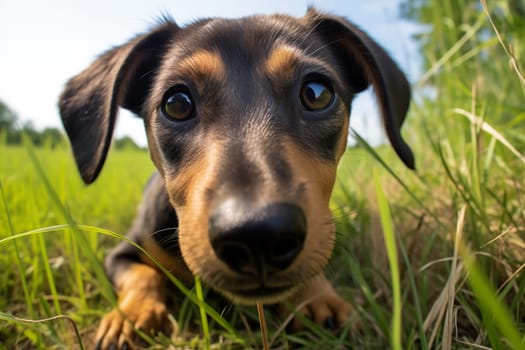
237,256
282,252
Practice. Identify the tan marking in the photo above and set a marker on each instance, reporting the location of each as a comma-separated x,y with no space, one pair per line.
282,62
204,63
318,178
318,175
196,179
143,280
174,264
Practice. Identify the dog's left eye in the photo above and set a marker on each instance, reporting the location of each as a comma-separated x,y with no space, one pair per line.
316,96
177,104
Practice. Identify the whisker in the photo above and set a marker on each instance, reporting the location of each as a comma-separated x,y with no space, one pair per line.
175,229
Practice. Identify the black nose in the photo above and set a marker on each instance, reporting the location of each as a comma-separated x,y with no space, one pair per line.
257,242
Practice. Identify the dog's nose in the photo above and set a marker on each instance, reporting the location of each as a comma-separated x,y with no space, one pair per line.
255,243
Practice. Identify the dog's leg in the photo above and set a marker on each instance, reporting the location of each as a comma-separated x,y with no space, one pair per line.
318,301
141,305
140,286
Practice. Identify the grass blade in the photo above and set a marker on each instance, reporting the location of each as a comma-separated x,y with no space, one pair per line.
496,316
202,311
390,243
23,321
262,322
362,142
19,263
417,301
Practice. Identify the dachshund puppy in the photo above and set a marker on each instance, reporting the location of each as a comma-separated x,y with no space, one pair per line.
246,121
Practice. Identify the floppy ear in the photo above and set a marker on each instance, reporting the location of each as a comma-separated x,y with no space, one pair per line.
366,63
119,78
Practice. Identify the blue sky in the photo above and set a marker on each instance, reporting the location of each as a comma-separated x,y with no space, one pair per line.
44,43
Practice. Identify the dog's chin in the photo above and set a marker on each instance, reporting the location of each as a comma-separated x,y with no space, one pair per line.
259,295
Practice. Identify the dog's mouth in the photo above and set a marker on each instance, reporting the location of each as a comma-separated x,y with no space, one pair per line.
258,294
256,289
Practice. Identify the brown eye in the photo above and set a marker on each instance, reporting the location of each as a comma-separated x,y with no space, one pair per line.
316,96
177,104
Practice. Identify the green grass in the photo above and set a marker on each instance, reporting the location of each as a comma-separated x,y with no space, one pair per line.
432,259
55,271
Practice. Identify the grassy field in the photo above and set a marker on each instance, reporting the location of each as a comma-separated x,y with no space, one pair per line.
446,274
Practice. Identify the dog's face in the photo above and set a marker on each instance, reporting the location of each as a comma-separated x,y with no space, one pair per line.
244,115
246,121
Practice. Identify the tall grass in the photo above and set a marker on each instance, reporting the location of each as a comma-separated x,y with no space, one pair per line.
436,263
473,119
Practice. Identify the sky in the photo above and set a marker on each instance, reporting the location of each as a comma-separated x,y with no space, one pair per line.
44,43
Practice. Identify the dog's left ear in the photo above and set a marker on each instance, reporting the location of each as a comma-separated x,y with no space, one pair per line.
366,63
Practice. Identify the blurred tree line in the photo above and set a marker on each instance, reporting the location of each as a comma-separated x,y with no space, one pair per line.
12,133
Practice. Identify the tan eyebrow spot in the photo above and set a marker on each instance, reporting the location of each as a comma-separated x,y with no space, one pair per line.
205,63
282,62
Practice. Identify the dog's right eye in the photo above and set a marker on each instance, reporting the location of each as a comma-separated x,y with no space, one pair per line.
177,104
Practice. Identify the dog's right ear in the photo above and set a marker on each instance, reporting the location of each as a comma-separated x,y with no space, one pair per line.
119,78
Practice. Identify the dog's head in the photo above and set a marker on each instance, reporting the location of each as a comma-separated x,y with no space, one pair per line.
246,121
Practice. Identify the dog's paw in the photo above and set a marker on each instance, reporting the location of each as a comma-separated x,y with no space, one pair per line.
117,329
320,303
328,310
